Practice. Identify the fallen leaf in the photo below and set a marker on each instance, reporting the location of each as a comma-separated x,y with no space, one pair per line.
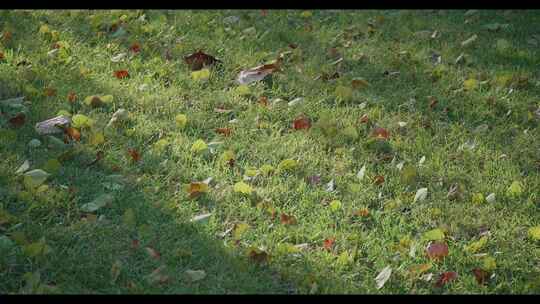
514,190
135,47
258,73
364,118
419,269
98,203
480,275
434,235
328,243
115,270
199,59
73,133
534,233
287,165
49,92
157,276
437,250
363,212
201,218
52,166
359,83
446,277
378,180
152,253
344,93
34,178
258,255
24,167
287,219
134,154
475,247
224,131
18,121
302,123
239,230
380,133
314,179
360,175
490,198
469,41
421,195
489,263
243,188
195,189
470,84
195,275
121,74
383,276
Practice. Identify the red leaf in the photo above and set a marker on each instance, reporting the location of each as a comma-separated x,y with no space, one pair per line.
2,57
49,92
135,156
445,278
121,74
287,219
329,243
18,120
437,250
135,244
153,253
379,132
224,131
71,97
73,133
301,123
379,179
199,59
480,275
135,47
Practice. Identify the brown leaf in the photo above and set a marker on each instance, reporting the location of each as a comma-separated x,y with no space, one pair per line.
301,123
363,212
6,36
135,47
481,275
437,250
135,156
287,219
432,102
264,13
293,46
196,189
157,276
49,92
99,156
18,120
153,253
71,97
364,119
445,278
199,59
259,72
258,256
222,110
327,77
2,57
314,179
121,74
73,133
378,180
328,243
224,131
263,101
379,132
135,244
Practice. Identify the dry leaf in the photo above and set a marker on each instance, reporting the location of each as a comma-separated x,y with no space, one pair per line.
379,132
302,123
287,219
480,275
224,131
445,278
135,156
258,73
383,276
121,74
328,243
199,59
437,250
153,253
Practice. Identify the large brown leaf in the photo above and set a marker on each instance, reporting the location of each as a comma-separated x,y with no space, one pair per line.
199,59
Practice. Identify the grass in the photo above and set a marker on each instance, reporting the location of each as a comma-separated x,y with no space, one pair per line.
50,246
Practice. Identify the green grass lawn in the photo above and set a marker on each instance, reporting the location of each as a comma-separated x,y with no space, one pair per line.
322,209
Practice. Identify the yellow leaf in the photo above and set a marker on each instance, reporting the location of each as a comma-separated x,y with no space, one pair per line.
288,165
181,120
79,121
63,113
306,14
266,170
96,139
239,230
344,93
242,187
199,146
474,247
160,145
534,233
489,263
227,157
470,84
201,75
478,198
243,90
